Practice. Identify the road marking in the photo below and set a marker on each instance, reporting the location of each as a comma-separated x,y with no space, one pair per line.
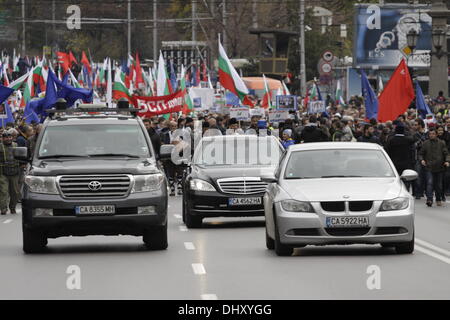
183,228
209,296
7,221
198,268
189,246
433,254
178,216
432,247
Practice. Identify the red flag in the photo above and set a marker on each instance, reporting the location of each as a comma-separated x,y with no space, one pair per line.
139,79
85,62
72,59
63,60
397,95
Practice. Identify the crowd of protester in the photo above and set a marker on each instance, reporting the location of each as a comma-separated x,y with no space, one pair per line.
411,142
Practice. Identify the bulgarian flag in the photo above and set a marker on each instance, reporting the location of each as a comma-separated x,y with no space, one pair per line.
163,86
40,75
119,90
5,76
339,93
285,89
230,79
315,93
75,83
266,103
16,84
28,92
188,105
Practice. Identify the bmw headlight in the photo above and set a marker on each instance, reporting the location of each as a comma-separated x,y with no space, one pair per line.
296,206
394,204
201,185
147,182
41,184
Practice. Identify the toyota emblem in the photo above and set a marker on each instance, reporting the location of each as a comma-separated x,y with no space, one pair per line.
94,185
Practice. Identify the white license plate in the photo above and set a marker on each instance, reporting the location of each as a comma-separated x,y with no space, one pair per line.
106,209
244,201
347,222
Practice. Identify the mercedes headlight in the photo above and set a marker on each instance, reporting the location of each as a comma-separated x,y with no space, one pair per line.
296,206
41,184
394,204
201,185
147,182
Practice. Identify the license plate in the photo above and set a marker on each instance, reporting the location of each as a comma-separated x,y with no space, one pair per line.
244,201
347,222
106,209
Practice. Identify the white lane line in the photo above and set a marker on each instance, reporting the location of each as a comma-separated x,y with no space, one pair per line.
198,268
189,246
183,228
178,216
7,221
432,254
432,247
209,296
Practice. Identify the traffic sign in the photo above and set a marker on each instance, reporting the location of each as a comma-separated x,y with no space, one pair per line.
328,56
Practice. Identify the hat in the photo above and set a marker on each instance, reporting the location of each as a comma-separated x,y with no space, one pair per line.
288,132
400,129
338,115
232,121
6,134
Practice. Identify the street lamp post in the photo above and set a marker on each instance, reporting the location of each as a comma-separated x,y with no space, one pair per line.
439,61
411,39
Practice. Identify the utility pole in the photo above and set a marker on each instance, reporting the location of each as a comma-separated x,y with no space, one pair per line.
255,14
302,74
129,26
155,32
24,48
54,24
224,22
439,56
194,13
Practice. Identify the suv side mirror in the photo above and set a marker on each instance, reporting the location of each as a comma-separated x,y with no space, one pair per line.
20,153
165,152
409,175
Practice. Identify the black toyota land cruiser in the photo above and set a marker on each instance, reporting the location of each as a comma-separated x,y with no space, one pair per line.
94,172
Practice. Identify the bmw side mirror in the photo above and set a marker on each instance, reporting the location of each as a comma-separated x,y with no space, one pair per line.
409,175
165,152
20,153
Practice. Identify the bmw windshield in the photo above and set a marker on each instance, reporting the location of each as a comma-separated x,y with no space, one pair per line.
338,163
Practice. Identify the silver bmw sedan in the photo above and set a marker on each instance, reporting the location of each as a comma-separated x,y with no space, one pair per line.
338,193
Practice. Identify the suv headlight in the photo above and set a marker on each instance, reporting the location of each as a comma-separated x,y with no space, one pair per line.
147,182
38,184
201,185
296,206
394,204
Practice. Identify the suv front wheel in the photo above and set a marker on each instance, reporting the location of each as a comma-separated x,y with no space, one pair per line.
156,238
33,241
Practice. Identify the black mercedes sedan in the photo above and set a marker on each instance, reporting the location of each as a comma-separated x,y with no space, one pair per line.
225,177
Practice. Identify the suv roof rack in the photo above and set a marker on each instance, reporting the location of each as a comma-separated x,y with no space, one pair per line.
86,109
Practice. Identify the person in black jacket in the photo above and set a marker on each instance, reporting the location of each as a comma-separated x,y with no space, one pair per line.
399,150
368,135
151,126
312,133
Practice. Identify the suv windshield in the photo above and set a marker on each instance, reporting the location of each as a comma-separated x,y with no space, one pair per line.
240,151
337,163
90,140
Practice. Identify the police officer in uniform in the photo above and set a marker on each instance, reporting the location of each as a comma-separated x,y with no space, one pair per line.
9,175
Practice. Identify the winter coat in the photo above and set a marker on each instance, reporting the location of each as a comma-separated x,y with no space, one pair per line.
435,153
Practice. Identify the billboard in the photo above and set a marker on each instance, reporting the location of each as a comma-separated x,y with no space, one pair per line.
380,35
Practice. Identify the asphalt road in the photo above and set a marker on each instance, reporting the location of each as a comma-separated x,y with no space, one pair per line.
226,259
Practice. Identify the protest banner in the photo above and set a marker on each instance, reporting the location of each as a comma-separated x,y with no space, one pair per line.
316,107
278,115
287,102
154,106
240,113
